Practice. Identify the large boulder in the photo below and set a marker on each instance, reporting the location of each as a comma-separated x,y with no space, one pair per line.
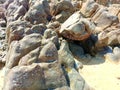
65,56
76,81
48,53
61,10
108,37
35,77
77,28
16,9
16,30
38,13
25,78
89,8
104,19
18,49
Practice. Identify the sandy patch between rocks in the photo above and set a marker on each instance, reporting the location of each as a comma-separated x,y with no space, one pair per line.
101,74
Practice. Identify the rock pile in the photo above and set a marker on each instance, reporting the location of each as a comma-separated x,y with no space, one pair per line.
47,38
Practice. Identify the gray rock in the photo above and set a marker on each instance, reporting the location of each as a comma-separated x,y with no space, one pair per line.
48,53
25,78
30,58
38,13
76,81
18,49
65,56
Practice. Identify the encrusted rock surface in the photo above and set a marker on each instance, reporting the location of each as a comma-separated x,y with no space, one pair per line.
42,42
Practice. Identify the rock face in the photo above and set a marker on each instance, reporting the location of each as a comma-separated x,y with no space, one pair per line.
35,77
61,10
20,48
38,13
77,29
47,39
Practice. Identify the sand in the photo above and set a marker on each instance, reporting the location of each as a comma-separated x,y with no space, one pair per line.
101,74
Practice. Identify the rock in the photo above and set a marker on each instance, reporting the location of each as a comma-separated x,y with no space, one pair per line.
39,28
108,37
62,10
48,53
18,49
31,57
2,33
16,9
2,23
38,13
78,28
77,5
115,56
50,35
76,81
63,5
53,75
76,50
104,19
16,30
65,55
53,25
25,78
114,9
89,8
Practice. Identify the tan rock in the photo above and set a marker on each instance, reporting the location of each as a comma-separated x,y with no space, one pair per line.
89,7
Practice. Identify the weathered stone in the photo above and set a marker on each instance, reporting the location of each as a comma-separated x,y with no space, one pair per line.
48,53
50,35
39,28
16,9
16,30
63,5
115,56
89,8
65,55
103,19
76,81
53,75
30,58
25,78
78,28
18,49
38,13
114,9
108,37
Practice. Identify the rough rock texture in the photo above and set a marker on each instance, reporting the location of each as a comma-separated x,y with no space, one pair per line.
20,48
77,29
38,13
42,42
61,10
